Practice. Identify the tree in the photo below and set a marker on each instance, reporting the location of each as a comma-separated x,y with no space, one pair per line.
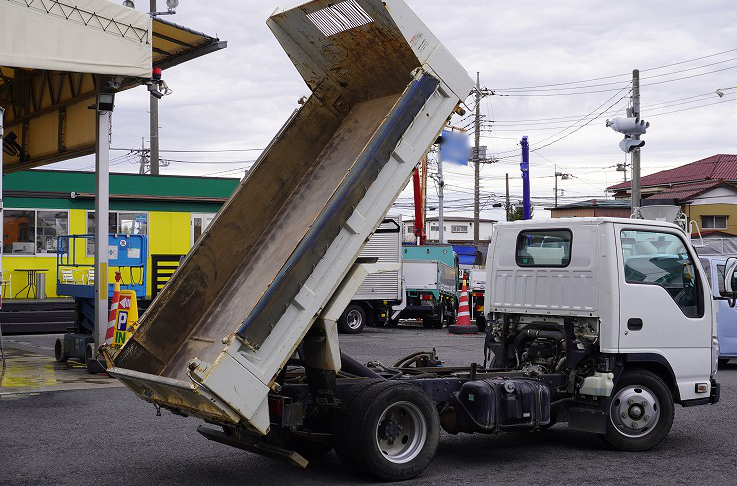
516,213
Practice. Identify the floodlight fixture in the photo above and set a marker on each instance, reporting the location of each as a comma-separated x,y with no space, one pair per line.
106,102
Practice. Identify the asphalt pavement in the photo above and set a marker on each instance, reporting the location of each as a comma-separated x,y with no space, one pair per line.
107,436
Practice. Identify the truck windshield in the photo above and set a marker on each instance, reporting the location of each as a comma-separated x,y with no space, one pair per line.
662,259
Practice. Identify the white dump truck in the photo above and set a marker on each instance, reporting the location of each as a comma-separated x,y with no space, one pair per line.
605,332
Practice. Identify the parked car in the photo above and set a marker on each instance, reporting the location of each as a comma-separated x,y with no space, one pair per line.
726,315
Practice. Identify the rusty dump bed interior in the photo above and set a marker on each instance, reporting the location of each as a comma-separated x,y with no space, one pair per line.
253,245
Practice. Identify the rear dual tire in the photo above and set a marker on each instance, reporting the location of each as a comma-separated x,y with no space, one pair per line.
390,430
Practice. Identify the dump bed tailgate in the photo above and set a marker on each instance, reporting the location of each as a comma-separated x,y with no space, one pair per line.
180,396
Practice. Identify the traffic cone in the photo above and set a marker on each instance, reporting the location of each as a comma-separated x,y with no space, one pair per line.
463,320
113,316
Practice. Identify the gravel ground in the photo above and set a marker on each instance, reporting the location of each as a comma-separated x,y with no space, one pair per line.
110,437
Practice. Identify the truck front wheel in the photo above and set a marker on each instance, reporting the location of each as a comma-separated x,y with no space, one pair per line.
353,319
641,412
391,431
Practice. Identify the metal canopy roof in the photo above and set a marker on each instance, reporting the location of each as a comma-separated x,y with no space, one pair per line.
174,44
47,116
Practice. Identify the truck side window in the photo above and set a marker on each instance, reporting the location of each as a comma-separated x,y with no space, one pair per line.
655,258
544,248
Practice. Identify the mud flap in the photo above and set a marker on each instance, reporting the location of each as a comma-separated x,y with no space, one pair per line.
253,444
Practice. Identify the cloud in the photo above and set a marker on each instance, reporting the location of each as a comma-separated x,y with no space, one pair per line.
238,98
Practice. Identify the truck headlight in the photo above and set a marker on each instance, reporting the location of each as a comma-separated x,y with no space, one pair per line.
714,355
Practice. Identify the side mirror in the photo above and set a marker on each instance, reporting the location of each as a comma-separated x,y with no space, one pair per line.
730,280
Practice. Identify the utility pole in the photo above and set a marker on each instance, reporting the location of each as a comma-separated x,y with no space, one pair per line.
563,177
154,121
623,168
636,152
477,164
142,169
441,185
507,205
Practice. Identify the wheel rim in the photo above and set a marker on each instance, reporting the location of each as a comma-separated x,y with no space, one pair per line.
635,411
354,319
401,432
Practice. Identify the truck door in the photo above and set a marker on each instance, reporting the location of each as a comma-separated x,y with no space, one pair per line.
665,303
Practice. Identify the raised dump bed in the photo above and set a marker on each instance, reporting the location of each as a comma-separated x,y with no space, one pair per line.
223,327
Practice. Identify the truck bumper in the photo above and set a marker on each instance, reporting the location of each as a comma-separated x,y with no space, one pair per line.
715,391
713,397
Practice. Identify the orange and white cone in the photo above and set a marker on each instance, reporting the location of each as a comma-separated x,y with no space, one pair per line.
463,321
113,316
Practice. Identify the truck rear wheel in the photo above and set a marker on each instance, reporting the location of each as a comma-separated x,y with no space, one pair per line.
641,412
353,319
391,431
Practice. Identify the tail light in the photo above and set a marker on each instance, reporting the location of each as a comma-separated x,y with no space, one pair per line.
276,409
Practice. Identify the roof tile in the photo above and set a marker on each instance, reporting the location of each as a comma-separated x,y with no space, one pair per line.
722,167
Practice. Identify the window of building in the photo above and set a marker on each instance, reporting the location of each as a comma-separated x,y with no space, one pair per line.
30,232
713,222
662,259
460,228
544,248
133,223
118,223
410,229
49,226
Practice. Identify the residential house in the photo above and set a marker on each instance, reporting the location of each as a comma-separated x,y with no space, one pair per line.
592,208
706,190
457,230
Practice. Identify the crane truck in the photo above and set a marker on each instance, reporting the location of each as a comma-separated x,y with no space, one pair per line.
606,331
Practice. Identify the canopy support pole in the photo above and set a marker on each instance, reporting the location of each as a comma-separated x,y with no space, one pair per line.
102,211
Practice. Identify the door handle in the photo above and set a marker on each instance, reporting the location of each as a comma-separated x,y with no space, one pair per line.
634,324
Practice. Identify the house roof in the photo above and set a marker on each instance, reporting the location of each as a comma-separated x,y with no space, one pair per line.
595,203
684,192
722,167
453,219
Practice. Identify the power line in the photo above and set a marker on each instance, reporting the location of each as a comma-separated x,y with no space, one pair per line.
648,77
195,151
617,75
693,107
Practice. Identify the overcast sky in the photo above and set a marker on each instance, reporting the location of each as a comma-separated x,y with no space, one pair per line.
236,99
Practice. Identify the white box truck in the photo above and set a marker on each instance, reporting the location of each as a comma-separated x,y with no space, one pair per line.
380,297
606,331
